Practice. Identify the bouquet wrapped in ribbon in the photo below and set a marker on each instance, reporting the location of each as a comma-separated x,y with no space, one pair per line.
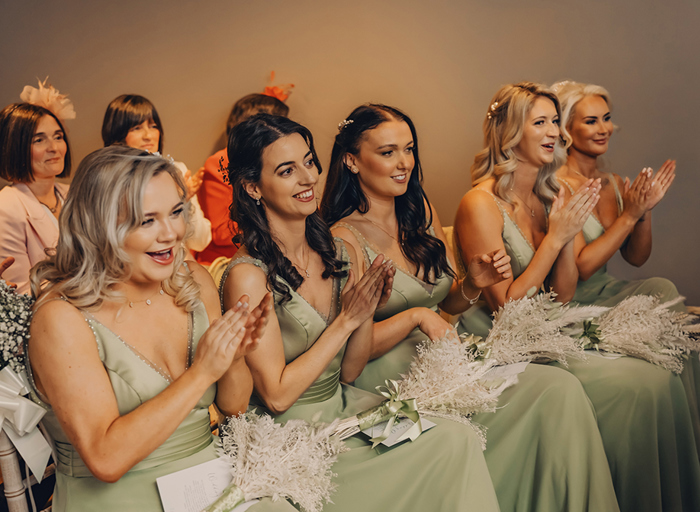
640,326
535,327
444,380
19,416
268,459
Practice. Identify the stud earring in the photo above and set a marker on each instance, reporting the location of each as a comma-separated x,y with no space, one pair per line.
354,170
257,201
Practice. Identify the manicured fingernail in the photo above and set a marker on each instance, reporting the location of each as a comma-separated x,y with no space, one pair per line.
239,304
245,305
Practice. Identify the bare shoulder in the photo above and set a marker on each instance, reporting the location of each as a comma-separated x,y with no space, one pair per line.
58,324
207,289
478,200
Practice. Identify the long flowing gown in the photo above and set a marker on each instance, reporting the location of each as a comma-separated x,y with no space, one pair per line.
134,381
442,470
602,289
543,449
641,409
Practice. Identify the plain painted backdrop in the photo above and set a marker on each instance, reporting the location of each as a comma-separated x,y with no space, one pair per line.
439,61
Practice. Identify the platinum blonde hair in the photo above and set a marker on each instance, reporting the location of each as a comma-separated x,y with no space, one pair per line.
104,205
503,131
570,94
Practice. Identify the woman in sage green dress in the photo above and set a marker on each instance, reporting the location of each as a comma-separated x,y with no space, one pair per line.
320,332
622,219
641,409
122,353
538,460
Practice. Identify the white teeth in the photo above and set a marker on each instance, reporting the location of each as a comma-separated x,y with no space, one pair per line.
399,177
305,195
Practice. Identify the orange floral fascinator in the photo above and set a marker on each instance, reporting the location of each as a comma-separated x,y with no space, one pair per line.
281,92
47,96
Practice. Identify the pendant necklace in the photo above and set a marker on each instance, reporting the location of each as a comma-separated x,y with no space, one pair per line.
532,212
305,269
148,300
55,207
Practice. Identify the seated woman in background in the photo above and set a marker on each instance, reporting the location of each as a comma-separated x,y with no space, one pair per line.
132,120
34,151
375,198
215,193
127,343
320,332
517,204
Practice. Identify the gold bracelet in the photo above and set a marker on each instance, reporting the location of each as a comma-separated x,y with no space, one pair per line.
464,295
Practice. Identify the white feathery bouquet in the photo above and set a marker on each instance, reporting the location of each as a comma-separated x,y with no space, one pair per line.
269,459
15,315
535,328
640,326
443,381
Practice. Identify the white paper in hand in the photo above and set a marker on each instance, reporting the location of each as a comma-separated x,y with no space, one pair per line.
195,488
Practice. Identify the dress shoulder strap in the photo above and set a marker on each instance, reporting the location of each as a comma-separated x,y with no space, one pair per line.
235,261
618,195
568,185
361,240
495,199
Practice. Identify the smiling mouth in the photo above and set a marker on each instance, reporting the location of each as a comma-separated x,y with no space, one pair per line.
548,147
164,257
400,177
307,195
600,141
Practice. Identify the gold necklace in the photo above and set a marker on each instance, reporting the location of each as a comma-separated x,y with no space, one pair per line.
55,194
532,212
148,300
385,231
308,261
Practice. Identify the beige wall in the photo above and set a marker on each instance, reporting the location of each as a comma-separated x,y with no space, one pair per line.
440,62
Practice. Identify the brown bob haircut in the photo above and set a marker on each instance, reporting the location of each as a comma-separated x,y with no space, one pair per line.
17,127
123,113
253,104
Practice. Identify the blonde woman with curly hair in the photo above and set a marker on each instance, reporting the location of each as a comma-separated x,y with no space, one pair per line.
628,390
127,341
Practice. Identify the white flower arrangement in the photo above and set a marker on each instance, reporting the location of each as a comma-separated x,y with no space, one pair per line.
269,459
642,327
15,315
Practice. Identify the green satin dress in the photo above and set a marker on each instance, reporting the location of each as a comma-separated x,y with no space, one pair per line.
442,470
641,410
537,461
135,380
602,289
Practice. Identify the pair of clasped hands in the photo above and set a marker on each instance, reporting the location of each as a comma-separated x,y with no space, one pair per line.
238,332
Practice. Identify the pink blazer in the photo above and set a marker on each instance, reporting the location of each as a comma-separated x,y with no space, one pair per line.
26,231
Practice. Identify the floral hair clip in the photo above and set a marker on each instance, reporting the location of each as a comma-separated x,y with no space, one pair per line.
47,96
344,123
492,110
281,92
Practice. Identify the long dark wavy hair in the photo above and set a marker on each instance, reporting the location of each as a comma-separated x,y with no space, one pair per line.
246,144
343,193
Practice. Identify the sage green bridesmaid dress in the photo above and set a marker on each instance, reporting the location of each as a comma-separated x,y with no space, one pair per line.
135,380
442,470
602,289
543,448
641,410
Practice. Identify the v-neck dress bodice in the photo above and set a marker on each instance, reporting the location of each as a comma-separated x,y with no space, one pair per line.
442,470
570,472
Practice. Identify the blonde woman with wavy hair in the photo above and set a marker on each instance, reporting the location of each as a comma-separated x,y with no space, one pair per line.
127,340
648,421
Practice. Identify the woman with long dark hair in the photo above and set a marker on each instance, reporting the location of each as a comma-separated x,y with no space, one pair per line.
320,332
375,198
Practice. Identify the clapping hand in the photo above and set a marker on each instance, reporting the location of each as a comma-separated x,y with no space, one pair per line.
193,181
488,269
359,301
7,263
566,218
652,188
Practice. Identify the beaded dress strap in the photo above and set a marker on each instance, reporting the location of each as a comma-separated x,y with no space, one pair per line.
360,239
618,195
240,259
